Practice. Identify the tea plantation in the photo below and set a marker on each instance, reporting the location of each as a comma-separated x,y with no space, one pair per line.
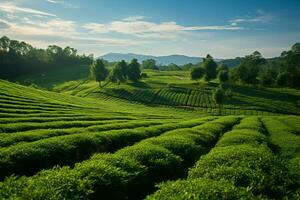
147,141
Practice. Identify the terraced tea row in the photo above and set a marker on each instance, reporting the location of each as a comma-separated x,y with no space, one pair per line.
241,166
286,141
27,158
117,175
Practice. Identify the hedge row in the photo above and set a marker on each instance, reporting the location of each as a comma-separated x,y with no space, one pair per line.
28,158
287,141
283,136
129,173
241,166
38,134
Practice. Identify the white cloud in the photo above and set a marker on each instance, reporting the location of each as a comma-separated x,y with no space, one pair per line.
134,18
53,27
96,28
52,1
66,4
13,8
57,30
262,17
137,26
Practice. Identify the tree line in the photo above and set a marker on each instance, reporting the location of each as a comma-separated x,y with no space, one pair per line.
254,69
19,58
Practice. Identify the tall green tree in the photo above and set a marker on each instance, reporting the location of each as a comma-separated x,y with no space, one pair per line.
149,64
210,68
119,73
219,98
98,71
134,71
247,71
223,76
197,73
291,65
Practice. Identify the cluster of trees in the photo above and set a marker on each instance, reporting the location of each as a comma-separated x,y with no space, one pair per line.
19,58
151,64
121,72
207,70
254,69
282,71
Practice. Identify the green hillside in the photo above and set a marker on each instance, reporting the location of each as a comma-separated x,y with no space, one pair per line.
174,88
105,147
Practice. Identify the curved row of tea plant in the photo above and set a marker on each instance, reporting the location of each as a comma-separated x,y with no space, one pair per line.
27,158
284,134
241,166
129,173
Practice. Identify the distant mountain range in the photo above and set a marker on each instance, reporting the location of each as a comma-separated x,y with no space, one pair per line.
164,60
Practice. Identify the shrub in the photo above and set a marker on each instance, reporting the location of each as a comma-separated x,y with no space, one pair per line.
243,136
181,146
252,167
204,189
161,163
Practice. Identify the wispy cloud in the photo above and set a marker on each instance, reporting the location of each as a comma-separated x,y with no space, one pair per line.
134,18
59,30
11,8
139,27
53,27
262,17
64,3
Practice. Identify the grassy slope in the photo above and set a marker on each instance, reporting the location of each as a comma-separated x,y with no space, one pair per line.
41,129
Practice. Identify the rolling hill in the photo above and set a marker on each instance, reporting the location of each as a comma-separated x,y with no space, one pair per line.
164,60
99,146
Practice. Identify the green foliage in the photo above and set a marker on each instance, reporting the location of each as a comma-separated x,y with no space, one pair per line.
252,167
149,64
285,138
205,189
20,58
244,136
284,79
210,68
221,67
134,71
219,98
223,76
119,72
197,73
247,71
98,71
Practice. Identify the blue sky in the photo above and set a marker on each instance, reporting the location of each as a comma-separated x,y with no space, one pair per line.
224,29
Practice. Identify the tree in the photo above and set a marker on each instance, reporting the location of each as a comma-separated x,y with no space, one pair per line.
247,71
149,64
197,73
268,75
223,76
119,73
20,58
222,67
4,43
134,71
291,64
284,79
98,71
210,68
219,97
